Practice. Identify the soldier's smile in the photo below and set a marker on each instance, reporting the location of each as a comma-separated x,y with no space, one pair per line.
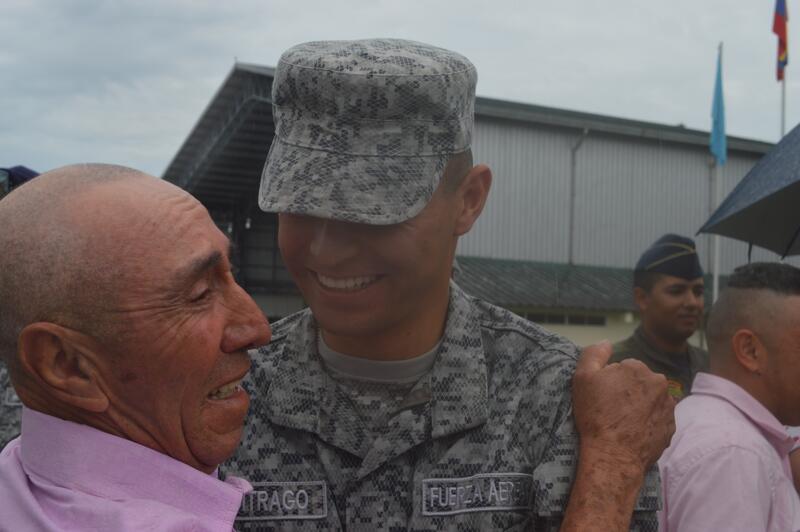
346,284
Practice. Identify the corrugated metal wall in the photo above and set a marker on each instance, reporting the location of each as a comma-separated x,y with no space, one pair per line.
527,214
628,192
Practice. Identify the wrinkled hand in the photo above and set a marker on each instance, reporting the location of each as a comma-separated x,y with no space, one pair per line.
622,410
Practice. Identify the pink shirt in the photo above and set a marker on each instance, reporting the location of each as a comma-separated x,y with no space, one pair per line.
728,465
60,476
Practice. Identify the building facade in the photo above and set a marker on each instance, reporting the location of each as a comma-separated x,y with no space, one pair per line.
576,198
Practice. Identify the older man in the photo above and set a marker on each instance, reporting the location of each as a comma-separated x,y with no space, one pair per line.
398,402
126,337
728,465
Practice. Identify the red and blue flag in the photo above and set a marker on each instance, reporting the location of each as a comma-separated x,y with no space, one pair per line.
779,29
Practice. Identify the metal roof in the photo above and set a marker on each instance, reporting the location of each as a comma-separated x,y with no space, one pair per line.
519,284
222,158
538,114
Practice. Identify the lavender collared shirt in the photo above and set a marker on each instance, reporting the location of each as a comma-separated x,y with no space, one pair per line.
60,476
727,467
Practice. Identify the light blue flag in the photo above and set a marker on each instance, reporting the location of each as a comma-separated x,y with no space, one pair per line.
719,145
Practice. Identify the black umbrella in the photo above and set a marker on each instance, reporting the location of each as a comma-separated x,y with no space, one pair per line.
764,208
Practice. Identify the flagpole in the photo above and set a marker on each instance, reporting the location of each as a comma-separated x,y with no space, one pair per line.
783,104
779,28
717,196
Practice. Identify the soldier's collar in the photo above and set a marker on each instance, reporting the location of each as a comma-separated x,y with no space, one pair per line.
298,382
459,383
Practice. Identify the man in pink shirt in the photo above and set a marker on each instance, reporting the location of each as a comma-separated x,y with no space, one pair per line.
126,338
728,465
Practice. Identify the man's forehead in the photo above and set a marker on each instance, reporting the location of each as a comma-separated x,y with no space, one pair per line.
440,201
129,199
205,256
671,280
321,221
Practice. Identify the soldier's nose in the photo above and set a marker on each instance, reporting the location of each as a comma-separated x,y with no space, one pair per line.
331,241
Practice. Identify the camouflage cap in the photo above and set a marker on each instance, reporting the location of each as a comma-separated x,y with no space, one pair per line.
363,129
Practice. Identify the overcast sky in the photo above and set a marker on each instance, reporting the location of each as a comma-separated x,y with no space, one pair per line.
124,81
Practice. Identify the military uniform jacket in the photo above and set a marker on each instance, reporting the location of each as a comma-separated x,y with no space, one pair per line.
485,441
10,409
679,368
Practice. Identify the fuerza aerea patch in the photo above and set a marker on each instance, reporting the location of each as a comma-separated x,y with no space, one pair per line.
479,493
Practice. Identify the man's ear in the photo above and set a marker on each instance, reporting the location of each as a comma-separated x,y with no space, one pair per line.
640,297
473,192
51,356
749,351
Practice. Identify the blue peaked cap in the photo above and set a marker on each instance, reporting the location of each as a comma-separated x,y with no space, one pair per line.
671,255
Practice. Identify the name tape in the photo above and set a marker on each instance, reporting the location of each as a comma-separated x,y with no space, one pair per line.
271,501
479,493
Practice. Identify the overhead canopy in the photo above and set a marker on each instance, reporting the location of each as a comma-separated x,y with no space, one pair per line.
221,160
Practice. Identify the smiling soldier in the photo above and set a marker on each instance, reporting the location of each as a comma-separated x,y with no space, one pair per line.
398,402
126,339
668,289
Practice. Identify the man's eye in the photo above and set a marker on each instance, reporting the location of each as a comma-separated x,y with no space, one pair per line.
201,296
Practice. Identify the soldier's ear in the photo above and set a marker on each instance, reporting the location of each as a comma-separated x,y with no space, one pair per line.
473,192
52,357
640,297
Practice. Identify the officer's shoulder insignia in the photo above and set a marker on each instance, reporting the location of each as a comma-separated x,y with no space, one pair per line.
503,321
675,389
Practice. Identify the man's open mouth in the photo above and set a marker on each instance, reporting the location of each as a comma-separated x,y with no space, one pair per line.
346,284
225,391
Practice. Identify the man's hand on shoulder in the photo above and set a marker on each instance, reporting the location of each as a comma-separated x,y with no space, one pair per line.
622,410
625,420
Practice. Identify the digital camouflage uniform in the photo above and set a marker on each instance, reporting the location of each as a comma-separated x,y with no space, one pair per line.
485,441
10,409
678,368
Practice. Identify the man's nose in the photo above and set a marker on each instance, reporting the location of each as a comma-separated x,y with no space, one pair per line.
694,300
332,242
247,327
